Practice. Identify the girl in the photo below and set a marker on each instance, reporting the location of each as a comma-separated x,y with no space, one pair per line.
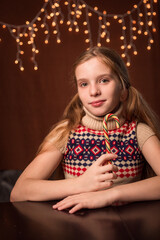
77,143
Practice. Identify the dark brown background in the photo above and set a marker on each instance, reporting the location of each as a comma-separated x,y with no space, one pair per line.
31,101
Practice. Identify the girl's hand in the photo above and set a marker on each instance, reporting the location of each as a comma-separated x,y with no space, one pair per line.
87,200
98,176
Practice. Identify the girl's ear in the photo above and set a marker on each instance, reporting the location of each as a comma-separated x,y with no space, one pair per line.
124,95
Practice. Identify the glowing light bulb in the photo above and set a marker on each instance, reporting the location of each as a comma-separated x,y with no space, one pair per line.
128,64
35,68
56,4
135,52
16,61
115,17
107,40
58,40
87,40
53,24
86,31
22,68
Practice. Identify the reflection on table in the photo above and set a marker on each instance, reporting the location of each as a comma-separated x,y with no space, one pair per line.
37,220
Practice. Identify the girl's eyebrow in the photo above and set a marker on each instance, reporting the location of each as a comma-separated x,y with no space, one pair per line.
99,76
106,75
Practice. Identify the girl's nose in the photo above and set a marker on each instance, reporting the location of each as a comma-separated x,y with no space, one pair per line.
94,90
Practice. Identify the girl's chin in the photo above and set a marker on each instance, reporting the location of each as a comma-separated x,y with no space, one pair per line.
98,113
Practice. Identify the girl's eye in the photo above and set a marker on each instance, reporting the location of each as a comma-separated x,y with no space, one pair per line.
83,84
104,80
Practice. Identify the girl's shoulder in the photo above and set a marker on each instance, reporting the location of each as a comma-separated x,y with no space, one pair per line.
58,136
143,133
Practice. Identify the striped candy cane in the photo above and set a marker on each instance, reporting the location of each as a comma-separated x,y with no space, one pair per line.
105,130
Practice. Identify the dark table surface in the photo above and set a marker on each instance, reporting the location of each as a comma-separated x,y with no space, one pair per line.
37,220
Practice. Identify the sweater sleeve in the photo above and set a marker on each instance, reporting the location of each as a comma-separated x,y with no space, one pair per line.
144,132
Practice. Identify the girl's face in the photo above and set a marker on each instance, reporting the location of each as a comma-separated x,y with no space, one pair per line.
98,87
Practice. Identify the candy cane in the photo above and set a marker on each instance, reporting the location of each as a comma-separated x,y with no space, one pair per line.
105,130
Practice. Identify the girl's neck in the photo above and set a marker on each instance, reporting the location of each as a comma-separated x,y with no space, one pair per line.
93,122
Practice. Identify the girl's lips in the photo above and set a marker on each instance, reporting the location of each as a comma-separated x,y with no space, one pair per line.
97,103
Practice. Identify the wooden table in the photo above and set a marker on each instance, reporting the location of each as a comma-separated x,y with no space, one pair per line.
37,220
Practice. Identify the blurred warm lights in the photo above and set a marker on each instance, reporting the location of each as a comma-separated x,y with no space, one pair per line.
138,20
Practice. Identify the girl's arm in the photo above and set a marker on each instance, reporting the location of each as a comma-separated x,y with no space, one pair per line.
148,189
33,184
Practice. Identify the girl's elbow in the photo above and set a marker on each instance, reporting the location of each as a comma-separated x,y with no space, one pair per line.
13,196
16,195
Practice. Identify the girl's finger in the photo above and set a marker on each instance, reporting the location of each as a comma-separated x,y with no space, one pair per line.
105,157
107,177
76,208
108,168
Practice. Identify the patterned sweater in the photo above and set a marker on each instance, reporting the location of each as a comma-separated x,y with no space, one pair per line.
85,145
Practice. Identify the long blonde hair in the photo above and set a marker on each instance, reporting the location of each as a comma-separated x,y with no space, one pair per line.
134,107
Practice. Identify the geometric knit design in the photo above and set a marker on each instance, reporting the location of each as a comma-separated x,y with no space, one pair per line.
86,145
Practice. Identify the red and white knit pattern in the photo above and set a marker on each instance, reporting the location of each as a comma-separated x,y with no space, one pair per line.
86,145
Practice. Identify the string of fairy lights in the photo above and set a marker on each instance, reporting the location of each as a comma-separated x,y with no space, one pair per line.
77,15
